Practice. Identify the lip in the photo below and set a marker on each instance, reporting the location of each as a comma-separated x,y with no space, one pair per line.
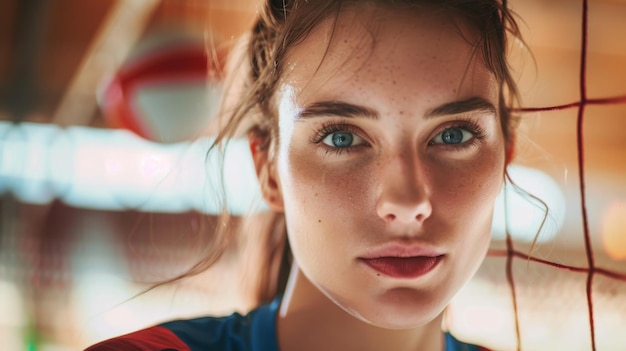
403,267
402,249
404,261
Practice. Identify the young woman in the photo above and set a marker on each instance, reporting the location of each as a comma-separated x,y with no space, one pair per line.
382,132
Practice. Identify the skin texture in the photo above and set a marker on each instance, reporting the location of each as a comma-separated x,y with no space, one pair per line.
397,183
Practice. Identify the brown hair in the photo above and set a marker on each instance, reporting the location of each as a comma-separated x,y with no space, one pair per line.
283,24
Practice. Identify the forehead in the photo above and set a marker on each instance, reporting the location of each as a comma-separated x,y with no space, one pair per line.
368,44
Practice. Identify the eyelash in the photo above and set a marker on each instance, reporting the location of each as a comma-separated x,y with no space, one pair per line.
329,128
468,124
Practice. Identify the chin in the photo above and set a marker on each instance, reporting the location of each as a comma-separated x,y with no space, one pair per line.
400,309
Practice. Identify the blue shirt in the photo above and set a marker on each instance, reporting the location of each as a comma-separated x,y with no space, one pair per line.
255,331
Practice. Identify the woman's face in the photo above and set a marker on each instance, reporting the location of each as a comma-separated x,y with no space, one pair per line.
390,155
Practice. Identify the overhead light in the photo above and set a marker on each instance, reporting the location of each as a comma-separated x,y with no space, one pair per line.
117,170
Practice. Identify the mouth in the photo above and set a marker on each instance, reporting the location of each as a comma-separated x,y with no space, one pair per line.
403,267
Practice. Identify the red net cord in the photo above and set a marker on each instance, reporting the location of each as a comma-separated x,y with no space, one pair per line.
581,170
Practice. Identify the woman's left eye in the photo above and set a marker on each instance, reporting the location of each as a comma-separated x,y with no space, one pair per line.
342,139
453,136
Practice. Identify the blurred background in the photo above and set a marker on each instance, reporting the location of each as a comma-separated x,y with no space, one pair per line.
107,108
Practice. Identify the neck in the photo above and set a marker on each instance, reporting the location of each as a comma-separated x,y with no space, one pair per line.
308,320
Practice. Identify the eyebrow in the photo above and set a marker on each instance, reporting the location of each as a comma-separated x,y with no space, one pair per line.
337,108
344,109
474,104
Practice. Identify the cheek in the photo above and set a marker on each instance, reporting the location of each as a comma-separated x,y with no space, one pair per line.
465,191
320,198
326,187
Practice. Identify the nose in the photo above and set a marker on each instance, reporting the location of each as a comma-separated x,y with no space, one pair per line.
403,195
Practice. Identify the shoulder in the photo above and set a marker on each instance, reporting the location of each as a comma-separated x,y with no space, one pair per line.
252,332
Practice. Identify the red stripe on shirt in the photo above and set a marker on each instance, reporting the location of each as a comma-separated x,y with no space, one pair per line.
151,339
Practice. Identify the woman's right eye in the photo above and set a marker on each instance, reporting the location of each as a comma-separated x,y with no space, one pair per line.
342,139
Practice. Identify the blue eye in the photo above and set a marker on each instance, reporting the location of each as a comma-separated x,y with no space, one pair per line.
342,139
451,136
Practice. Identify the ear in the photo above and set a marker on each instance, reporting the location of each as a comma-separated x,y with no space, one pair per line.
265,169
